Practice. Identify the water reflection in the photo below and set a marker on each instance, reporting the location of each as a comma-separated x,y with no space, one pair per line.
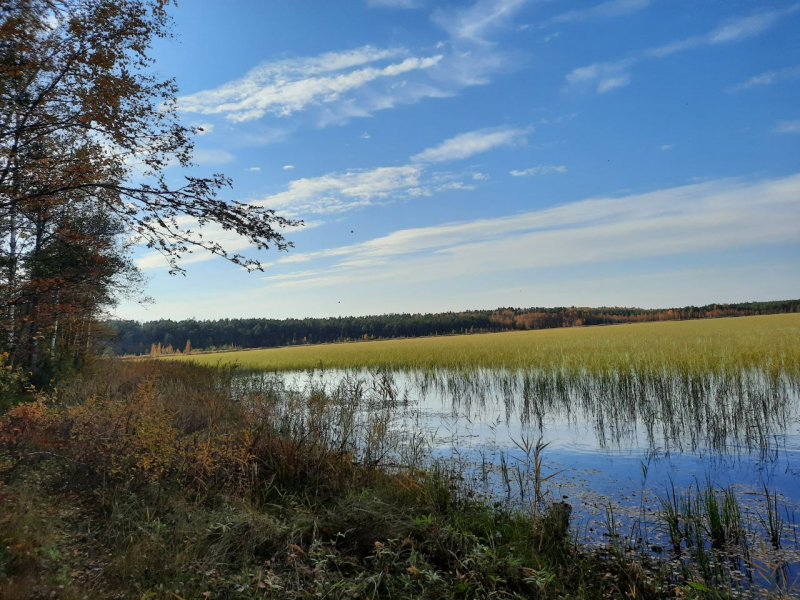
611,445
604,430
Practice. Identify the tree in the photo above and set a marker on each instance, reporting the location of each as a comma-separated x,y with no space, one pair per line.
85,123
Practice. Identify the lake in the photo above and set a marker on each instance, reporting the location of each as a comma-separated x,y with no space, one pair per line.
618,448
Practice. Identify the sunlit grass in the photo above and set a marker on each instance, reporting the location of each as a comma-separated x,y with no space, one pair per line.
765,342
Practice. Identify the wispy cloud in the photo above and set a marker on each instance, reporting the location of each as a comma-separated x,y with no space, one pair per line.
288,86
330,194
739,28
253,169
767,78
468,144
336,87
667,147
611,8
288,167
358,188
539,170
602,77
704,217
213,157
477,21
787,127
340,192
230,240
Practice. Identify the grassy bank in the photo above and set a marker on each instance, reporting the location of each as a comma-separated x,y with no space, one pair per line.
146,480
771,342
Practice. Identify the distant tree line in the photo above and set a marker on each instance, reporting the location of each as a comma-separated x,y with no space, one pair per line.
168,336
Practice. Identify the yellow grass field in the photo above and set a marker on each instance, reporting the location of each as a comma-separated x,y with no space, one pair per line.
770,342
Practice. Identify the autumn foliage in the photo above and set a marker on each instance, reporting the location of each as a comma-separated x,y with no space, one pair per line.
141,434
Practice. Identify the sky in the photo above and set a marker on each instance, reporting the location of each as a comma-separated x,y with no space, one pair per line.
485,153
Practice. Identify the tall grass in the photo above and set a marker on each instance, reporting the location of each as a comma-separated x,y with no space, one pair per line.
769,343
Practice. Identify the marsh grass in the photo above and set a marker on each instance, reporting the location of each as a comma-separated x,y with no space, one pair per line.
767,343
162,479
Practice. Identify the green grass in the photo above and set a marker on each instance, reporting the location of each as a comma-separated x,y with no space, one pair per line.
766,342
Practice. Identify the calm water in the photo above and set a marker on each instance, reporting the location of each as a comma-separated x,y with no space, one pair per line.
613,442
610,439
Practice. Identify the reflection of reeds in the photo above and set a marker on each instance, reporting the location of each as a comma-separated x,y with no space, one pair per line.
720,411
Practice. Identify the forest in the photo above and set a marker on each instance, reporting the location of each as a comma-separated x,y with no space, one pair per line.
166,336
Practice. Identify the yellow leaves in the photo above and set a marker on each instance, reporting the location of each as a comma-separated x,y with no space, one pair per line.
135,439
26,425
135,436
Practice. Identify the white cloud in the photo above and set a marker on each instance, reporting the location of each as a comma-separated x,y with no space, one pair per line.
767,78
365,136
230,240
336,87
477,21
612,83
733,30
288,167
253,169
716,215
787,127
285,87
480,176
745,27
611,8
540,170
667,147
474,142
213,157
329,194
357,188
340,192
605,76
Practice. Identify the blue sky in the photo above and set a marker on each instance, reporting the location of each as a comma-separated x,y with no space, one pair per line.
457,155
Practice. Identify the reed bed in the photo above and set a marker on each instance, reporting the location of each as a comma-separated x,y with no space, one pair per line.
768,343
